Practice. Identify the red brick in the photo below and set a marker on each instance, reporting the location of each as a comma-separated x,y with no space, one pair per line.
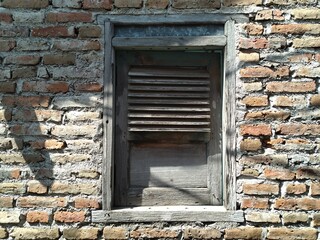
88,87
97,4
89,32
22,60
157,4
256,203
256,130
69,217
7,87
54,31
6,17
315,100
200,4
291,87
7,45
6,202
266,115
297,58
128,4
32,4
26,101
256,101
299,129
297,204
64,17
280,174
253,29
292,234
296,29
243,233
48,202
261,189
270,14
264,72
254,43
86,203
296,188
280,159
37,217
45,86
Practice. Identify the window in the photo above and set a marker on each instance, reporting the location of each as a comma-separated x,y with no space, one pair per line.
169,119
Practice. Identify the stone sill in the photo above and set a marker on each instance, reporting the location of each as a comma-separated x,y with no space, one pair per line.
168,214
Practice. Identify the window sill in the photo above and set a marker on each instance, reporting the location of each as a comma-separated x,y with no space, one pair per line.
168,214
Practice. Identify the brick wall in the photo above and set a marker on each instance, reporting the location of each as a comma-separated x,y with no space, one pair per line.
51,81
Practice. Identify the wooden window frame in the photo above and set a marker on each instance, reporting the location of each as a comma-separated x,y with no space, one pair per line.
226,212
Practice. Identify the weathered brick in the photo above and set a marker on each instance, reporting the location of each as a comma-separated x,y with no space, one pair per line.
250,145
89,32
264,72
82,116
26,101
308,72
6,202
3,233
6,17
291,2
308,173
256,130
250,172
7,87
9,217
5,115
14,31
296,188
265,217
255,203
253,43
243,233
81,233
242,2
185,4
59,59
88,87
69,158
66,3
64,17
36,187
73,130
157,4
86,203
37,217
97,4
249,56
47,202
37,115
256,101
34,129
297,204
77,45
9,174
253,29
24,72
35,233
296,29
252,87
87,173
269,14
315,189
306,42
115,233
7,45
45,86
32,4
260,189
81,144
306,13
201,233
53,31
150,233
292,234
280,174
72,72
12,188
69,217
32,45
277,42
30,17
298,129
294,217
68,188
315,100
21,158
316,220
128,4
268,114
290,101
22,60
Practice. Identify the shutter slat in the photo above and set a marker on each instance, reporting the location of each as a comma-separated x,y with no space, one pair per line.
163,99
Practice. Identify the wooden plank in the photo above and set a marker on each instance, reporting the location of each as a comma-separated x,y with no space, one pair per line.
168,88
176,123
182,42
177,72
173,137
169,102
169,109
164,129
168,95
168,81
157,196
168,214
173,115
108,121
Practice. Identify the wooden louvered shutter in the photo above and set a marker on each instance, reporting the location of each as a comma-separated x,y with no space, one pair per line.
168,128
